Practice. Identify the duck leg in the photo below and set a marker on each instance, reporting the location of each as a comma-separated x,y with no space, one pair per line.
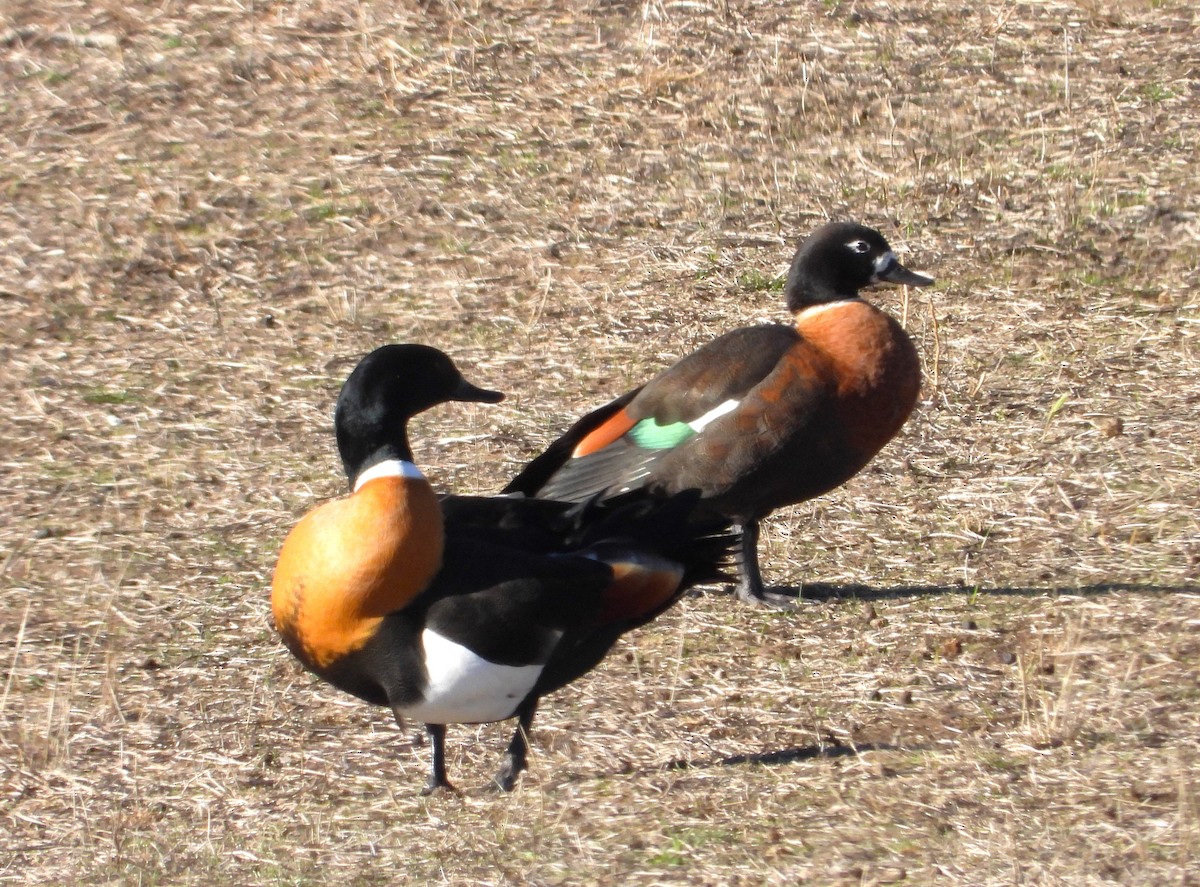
437,767
750,588
518,749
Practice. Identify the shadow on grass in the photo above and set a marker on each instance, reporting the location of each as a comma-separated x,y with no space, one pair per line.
825,591
777,757
781,756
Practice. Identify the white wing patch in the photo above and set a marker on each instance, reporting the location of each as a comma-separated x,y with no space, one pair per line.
712,415
465,688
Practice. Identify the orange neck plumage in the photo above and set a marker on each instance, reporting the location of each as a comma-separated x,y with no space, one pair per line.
350,562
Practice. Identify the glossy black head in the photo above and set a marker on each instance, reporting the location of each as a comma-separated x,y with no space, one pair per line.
838,260
387,388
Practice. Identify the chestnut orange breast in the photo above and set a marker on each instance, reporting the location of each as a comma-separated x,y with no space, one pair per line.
875,364
350,562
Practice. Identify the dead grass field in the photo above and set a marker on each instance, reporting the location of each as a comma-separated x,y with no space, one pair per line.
210,210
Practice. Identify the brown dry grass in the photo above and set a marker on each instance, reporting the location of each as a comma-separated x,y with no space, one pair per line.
210,210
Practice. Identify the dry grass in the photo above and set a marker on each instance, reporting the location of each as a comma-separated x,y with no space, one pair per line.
210,210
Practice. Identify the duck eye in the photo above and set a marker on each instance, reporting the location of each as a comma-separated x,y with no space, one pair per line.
859,246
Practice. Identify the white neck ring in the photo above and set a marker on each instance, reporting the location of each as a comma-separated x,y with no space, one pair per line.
814,310
389,468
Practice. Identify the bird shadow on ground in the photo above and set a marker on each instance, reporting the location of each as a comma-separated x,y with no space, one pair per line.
777,757
780,756
825,591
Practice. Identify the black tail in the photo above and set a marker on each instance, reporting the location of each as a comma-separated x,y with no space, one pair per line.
704,544
667,525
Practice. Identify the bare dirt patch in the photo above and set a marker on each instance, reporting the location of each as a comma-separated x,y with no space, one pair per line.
211,210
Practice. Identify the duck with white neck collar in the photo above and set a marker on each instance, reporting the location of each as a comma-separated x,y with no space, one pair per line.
467,610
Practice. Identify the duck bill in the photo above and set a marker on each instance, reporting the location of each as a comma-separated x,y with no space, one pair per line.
468,392
888,267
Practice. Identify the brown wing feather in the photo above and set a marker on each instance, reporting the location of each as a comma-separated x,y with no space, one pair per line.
724,369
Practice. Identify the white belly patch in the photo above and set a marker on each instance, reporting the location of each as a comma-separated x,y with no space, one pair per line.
465,688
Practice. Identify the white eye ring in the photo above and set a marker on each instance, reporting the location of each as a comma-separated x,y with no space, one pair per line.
859,246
